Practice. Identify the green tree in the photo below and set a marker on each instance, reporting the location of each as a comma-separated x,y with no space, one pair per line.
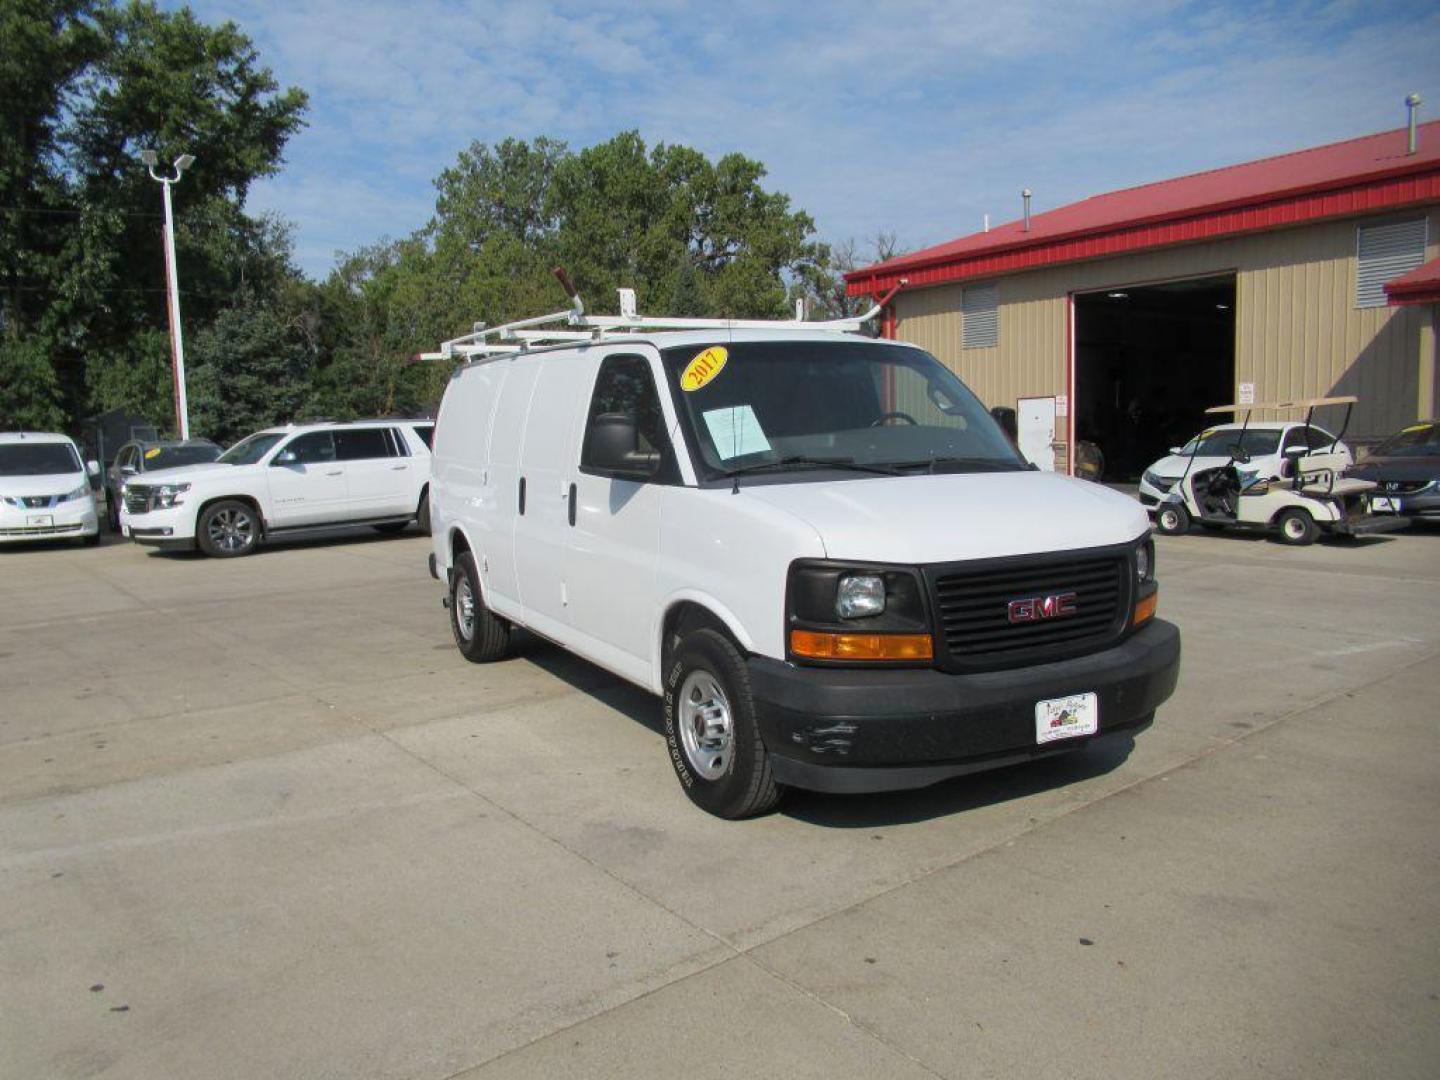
84,85
249,369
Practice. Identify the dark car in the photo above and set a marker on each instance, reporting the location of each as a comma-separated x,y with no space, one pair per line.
1406,471
142,456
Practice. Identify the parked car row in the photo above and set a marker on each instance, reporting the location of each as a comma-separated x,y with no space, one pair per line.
184,495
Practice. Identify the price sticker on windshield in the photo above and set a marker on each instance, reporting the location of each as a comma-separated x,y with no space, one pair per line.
700,371
153,452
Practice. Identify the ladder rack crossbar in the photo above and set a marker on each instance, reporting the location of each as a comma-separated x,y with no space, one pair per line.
523,334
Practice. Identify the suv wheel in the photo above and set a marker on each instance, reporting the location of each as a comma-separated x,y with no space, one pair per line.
480,634
711,731
422,512
227,529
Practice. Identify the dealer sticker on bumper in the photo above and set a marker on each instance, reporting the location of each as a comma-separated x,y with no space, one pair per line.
1380,504
1066,717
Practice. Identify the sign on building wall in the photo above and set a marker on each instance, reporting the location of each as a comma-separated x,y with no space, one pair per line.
1247,393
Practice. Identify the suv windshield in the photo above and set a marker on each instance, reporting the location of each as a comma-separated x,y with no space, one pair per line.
174,457
865,406
251,449
1259,442
1419,440
37,459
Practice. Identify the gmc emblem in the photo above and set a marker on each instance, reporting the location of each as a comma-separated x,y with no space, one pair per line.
1042,607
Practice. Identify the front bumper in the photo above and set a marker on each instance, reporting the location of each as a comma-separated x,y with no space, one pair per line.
857,730
1369,525
172,528
65,521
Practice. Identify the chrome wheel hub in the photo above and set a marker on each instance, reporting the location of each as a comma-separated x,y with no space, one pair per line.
232,530
464,608
707,731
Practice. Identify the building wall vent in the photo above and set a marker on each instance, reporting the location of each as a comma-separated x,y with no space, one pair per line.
980,316
1383,253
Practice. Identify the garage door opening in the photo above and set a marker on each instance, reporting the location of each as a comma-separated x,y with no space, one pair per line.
1148,360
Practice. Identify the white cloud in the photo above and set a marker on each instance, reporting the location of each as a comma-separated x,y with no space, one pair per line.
912,116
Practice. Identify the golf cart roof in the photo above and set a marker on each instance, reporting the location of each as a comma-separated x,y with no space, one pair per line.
1297,403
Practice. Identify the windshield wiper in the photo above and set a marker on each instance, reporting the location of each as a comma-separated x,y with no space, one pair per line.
967,464
796,461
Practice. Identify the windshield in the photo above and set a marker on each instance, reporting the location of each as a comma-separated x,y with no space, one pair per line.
787,406
174,457
251,449
1418,440
1256,443
37,459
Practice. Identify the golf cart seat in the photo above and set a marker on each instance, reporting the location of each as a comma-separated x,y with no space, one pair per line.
1342,486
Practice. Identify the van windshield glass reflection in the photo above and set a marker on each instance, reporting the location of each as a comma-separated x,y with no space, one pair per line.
862,406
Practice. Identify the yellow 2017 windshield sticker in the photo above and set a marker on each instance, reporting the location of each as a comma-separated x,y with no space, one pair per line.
1414,427
703,368
153,452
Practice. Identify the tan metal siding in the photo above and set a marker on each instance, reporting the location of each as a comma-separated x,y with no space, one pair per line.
1298,331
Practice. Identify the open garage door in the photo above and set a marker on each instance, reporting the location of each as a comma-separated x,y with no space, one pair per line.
1148,360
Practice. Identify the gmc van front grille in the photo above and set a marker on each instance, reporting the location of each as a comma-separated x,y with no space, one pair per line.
1006,612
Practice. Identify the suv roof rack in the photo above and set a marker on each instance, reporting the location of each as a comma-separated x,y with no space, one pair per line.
523,335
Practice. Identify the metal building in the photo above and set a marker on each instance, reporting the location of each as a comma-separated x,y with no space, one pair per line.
1117,319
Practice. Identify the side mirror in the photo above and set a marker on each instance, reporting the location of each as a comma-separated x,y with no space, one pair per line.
612,449
128,470
285,457
93,468
1295,451
1177,450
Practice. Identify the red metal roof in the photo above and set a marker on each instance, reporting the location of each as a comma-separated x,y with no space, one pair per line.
1419,286
1362,175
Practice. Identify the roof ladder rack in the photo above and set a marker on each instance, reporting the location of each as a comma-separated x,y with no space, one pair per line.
574,325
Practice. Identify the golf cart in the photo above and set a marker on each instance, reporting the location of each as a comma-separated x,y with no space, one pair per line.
1308,497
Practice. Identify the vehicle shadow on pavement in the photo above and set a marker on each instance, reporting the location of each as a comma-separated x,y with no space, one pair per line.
332,539
961,794
848,811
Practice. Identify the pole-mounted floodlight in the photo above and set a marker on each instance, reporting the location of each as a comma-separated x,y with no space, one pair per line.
172,283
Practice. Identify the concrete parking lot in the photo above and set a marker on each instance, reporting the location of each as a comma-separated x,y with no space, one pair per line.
257,818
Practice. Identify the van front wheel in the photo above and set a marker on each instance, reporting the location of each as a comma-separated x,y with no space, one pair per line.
711,732
480,634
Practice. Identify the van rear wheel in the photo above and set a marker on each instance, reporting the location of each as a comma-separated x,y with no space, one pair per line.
480,634
711,730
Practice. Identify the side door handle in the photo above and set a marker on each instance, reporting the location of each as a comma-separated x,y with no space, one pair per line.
337,472
522,496
398,468
572,504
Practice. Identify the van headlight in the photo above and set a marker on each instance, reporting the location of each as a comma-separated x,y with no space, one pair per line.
168,495
79,493
840,614
860,596
1145,562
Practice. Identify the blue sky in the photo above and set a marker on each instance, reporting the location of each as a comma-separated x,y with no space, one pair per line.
904,116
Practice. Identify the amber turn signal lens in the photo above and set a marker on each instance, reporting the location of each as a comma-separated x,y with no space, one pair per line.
1145,608
819,646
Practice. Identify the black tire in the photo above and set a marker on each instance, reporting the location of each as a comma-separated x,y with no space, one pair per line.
742,784
92,540
422,513
391,527
228,529
481,636
112,512
1172,519
1296,527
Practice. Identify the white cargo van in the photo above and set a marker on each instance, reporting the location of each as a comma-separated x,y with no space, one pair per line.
817,546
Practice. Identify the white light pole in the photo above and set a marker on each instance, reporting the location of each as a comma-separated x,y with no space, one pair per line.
172,283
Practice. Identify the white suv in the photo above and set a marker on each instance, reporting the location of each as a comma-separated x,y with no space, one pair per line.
282,481
45,490
819,548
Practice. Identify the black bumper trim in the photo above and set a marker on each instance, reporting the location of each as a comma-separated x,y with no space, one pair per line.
869,730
